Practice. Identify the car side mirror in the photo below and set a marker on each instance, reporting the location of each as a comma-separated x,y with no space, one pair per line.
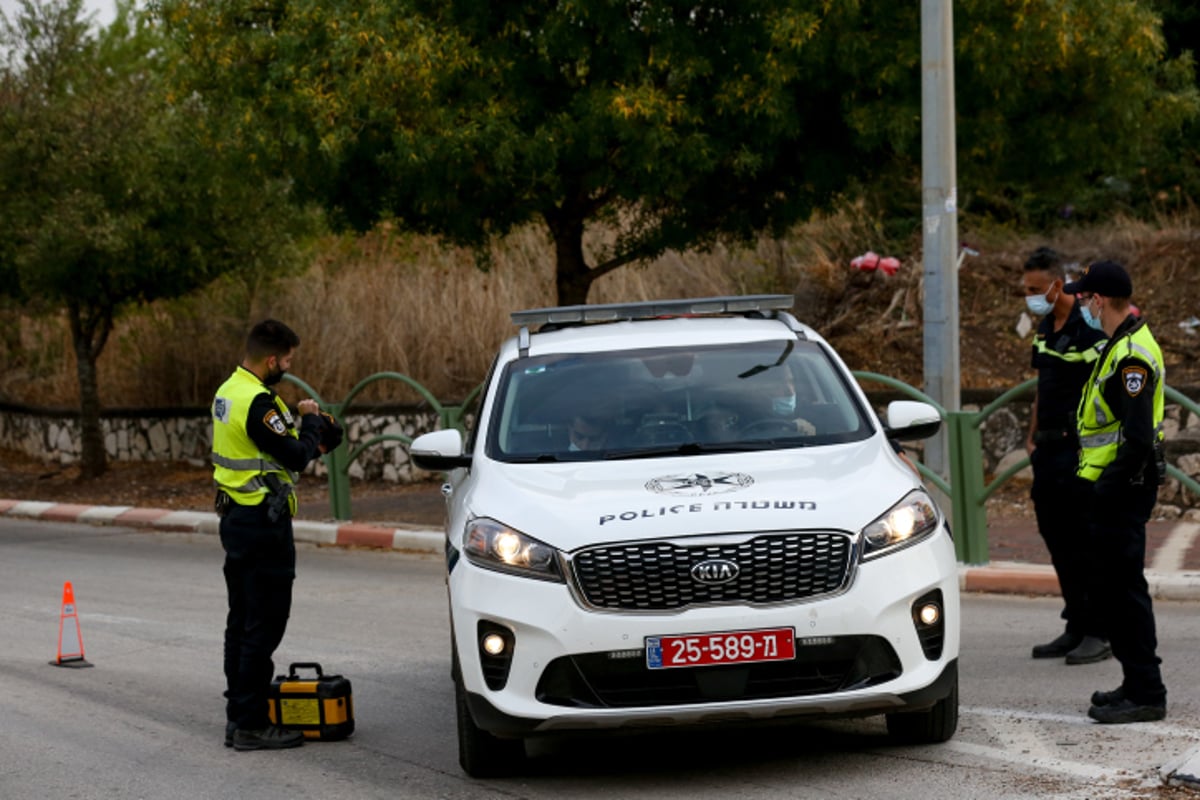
909,420
439,451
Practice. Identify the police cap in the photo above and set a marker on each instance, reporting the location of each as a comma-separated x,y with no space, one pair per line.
1105,278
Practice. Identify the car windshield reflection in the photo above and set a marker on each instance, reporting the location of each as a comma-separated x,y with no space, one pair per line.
664,401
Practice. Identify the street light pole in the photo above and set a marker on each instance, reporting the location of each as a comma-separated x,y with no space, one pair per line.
939,202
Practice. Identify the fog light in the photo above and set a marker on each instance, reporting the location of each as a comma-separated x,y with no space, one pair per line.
930,623
493,644
496,647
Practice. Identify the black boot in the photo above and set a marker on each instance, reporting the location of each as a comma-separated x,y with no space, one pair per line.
1102,698
1090,651
1059,647
269,738
1127,711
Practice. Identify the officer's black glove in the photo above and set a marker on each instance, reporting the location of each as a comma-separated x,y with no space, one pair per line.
331,433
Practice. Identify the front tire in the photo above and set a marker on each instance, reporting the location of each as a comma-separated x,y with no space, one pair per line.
930,726
481,754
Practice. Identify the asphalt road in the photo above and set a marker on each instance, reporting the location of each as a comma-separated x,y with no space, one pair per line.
146,721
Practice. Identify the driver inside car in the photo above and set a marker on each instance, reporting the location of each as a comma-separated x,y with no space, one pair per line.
587,432
774,395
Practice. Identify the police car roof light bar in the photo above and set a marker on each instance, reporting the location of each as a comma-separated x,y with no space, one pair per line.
652,309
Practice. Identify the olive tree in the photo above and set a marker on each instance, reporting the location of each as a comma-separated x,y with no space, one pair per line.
109,193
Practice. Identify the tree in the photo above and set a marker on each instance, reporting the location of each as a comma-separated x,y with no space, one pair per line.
1053,99
669,122
108,195
674,123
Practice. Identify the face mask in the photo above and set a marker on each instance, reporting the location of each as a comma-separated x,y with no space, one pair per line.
273,377
1092,322
783,406
1039,303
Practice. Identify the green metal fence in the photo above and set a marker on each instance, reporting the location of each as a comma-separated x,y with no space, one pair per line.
966,488
338,462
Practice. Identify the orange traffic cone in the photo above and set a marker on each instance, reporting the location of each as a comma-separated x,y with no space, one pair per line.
69,633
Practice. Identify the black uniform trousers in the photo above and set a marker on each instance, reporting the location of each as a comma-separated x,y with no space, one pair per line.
260,567
1117,559
1064,527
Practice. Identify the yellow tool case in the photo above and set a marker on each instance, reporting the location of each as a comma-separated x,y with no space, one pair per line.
321,707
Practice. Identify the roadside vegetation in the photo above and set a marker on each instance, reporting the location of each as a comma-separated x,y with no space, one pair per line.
399,302
393,178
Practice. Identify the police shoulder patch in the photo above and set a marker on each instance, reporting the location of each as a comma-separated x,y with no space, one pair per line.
220,410
1135,380
275,422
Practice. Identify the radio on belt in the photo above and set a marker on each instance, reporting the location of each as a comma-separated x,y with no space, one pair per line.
321,707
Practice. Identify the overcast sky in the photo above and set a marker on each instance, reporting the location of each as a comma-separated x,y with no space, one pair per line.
103,9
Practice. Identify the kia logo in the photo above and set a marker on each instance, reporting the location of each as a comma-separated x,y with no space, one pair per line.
715,571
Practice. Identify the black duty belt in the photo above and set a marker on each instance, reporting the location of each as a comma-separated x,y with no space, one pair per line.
1064,437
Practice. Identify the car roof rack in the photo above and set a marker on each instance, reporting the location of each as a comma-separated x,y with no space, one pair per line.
564,316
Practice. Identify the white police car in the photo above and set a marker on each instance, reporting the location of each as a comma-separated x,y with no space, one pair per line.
686,512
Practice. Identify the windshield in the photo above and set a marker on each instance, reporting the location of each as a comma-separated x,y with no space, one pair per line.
642,403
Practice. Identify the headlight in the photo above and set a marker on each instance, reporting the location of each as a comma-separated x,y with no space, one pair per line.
910,520
489,544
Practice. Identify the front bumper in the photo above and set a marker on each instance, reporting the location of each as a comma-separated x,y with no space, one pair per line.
873,617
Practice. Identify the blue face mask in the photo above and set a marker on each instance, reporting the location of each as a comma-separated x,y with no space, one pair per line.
1039,303
782,406
1092,322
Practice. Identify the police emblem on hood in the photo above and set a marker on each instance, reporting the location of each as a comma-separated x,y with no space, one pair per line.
699,484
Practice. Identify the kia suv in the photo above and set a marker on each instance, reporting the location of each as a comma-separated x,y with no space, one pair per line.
687,512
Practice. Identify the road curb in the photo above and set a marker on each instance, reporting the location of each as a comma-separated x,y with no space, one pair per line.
1183,771
343,534
998,577
1009,577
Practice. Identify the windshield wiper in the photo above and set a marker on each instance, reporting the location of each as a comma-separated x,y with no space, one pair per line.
533,458
688,449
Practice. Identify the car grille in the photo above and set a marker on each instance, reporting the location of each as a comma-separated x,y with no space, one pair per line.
601,680
653,576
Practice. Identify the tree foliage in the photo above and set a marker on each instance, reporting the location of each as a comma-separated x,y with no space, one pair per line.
673,122
107,195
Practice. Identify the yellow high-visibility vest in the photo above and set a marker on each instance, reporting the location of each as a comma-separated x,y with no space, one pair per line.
239,466
1099,430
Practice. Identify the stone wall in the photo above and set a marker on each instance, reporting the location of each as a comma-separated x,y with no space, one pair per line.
188,437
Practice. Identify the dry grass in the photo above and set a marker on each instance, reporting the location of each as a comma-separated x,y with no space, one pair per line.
393,302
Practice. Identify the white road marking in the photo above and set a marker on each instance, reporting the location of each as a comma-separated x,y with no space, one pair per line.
1169,557
1157,728
1072,768
1026,739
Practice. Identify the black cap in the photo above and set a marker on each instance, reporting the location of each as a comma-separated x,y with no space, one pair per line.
1105,278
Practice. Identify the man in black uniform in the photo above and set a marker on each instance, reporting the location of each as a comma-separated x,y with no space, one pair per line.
1121,465
257,456
1064,351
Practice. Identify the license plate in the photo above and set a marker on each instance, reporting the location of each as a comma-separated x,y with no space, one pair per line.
728,647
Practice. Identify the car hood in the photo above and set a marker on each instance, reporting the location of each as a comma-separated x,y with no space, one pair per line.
572,505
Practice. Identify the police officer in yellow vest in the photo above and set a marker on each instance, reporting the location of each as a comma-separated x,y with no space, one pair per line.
257,455
1120,466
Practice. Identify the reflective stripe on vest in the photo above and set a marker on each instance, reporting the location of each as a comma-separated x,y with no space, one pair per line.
239,466
1073,354
1099,430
